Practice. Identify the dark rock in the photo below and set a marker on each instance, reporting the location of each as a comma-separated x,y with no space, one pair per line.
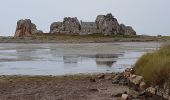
115,82
101,76
123,81
93,90
92,80
120,79
117,95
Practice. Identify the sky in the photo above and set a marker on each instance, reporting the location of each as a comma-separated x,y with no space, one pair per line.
149,17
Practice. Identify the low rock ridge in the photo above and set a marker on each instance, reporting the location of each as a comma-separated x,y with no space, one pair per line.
142,90
104,24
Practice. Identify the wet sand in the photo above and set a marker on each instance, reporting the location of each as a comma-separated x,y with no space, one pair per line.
78,87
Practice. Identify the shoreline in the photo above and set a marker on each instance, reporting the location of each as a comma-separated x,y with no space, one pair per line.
74,87
46,38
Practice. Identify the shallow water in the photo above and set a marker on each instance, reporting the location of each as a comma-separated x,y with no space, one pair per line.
61,59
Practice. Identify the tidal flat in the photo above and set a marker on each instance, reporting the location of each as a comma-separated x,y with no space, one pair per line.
70,58
67,71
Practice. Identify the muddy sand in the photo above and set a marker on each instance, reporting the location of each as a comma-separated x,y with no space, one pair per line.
79,87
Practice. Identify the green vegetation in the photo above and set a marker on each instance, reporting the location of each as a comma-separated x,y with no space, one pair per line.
155,67
91,38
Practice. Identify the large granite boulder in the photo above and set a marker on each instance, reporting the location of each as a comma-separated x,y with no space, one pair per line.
25,28
107,24
127,30
56,27
71,25
130,31
68,26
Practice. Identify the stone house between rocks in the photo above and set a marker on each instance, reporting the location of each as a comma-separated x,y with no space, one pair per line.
88,28
104,24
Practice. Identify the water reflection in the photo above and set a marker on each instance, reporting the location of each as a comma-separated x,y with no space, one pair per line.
105,63
106,59
70,59
26,54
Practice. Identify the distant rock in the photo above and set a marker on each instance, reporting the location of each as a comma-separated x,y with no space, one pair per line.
56,27
68,26
25,28
71,25
104,25
126,30
107,24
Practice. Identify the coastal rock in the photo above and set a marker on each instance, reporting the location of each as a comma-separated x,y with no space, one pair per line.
142,86
120,79
56,27
127,30
107,24
136,79
124,97
68,26
25,28
71,25
104,24
151,90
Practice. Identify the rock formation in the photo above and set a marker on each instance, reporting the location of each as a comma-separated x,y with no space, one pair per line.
56,27
68,26
107,24
25,28
104,24
126,30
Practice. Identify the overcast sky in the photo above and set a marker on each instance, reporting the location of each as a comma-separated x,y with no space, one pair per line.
150,17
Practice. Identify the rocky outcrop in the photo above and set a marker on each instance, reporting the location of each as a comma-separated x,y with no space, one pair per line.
56,27
71,25
107,24
127,30
68,26
104,24
25,28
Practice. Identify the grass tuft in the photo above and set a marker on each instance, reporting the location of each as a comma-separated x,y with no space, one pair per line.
155,67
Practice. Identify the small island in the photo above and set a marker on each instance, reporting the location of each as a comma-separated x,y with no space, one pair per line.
104,29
